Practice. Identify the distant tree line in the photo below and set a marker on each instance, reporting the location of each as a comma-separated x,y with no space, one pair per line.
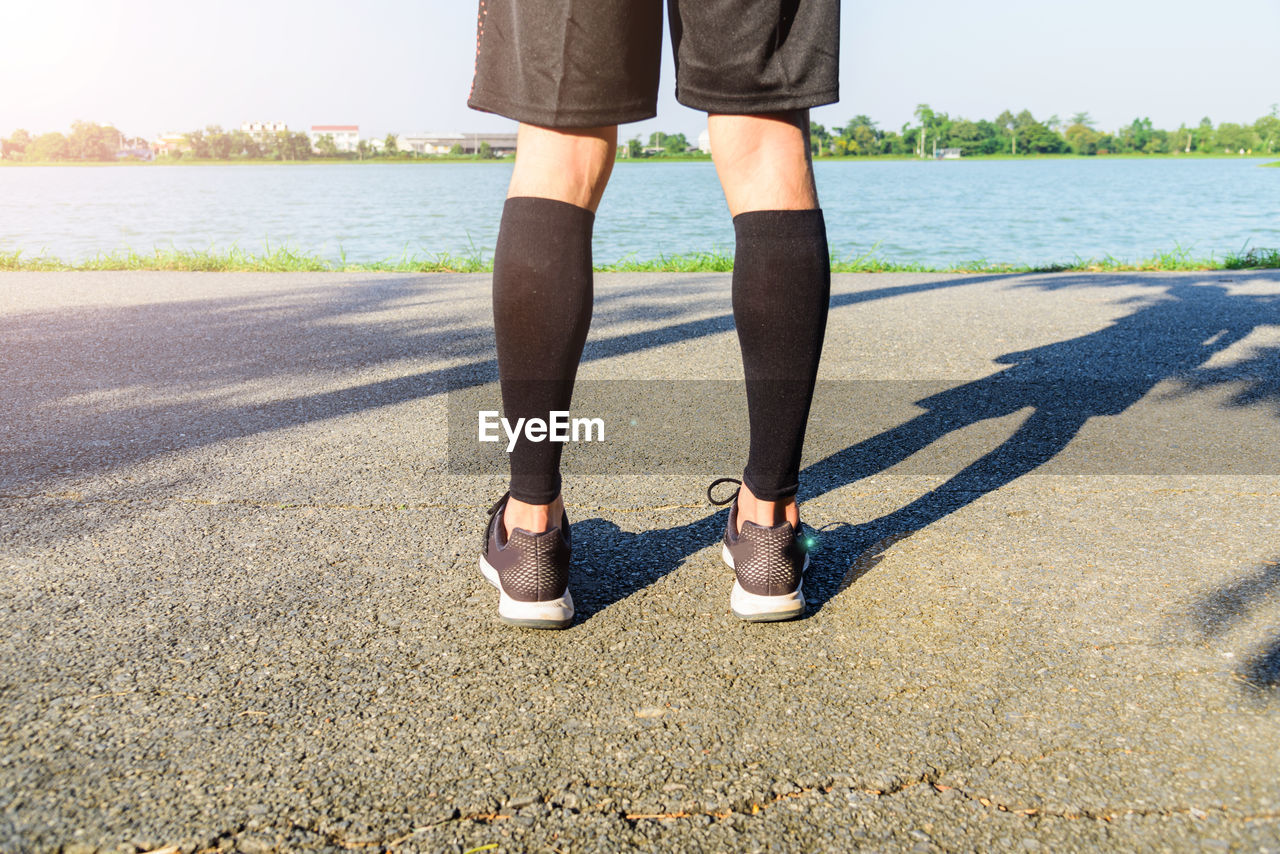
93,142
214,143
1023,134
1017,135
87,141
102,143
661,144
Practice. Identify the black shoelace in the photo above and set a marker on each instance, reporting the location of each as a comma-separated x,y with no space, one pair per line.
716,483
493,511
804,534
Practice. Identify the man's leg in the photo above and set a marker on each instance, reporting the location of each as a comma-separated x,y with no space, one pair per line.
542,293
781,291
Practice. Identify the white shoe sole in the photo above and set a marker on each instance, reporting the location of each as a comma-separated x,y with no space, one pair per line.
764,609
552,614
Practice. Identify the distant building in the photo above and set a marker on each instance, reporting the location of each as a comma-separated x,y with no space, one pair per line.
261,129
502,144
704,141
430,143
345,137
168,143
949,153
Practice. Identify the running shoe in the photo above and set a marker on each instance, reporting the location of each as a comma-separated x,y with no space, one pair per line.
531,572
769,563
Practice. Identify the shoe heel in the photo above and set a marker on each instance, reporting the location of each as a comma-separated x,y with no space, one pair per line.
551,614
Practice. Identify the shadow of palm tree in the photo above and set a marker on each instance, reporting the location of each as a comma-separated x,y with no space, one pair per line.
87,389
92,388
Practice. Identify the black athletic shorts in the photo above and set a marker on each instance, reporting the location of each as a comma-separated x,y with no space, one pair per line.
589,63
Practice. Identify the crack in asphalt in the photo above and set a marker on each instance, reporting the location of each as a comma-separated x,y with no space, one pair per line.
1106,815
393,842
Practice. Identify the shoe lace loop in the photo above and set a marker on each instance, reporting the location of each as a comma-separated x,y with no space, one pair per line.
497,505
493,511
716,483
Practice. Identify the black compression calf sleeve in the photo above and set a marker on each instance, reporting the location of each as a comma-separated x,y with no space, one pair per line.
541,310
781,290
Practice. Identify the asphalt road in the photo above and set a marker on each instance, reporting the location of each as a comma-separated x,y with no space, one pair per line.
240,608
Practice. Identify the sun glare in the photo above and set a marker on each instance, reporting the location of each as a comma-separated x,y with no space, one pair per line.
49,51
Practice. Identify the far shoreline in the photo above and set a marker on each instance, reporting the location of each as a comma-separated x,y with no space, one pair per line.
506,161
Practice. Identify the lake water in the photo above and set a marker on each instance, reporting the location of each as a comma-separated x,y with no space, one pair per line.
929,212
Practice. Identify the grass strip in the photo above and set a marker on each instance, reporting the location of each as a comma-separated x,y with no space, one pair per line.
284,259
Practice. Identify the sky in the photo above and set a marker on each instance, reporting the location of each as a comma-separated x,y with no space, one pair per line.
401,66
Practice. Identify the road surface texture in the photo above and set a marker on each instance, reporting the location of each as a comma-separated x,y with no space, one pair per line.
240,606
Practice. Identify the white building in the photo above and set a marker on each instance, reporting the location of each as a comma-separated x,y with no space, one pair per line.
430,143
261,129
704,141
502,144
345,137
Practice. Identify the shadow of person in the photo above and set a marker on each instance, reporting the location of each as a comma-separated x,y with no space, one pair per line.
1061,385
611,564
1218,611
1261,669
